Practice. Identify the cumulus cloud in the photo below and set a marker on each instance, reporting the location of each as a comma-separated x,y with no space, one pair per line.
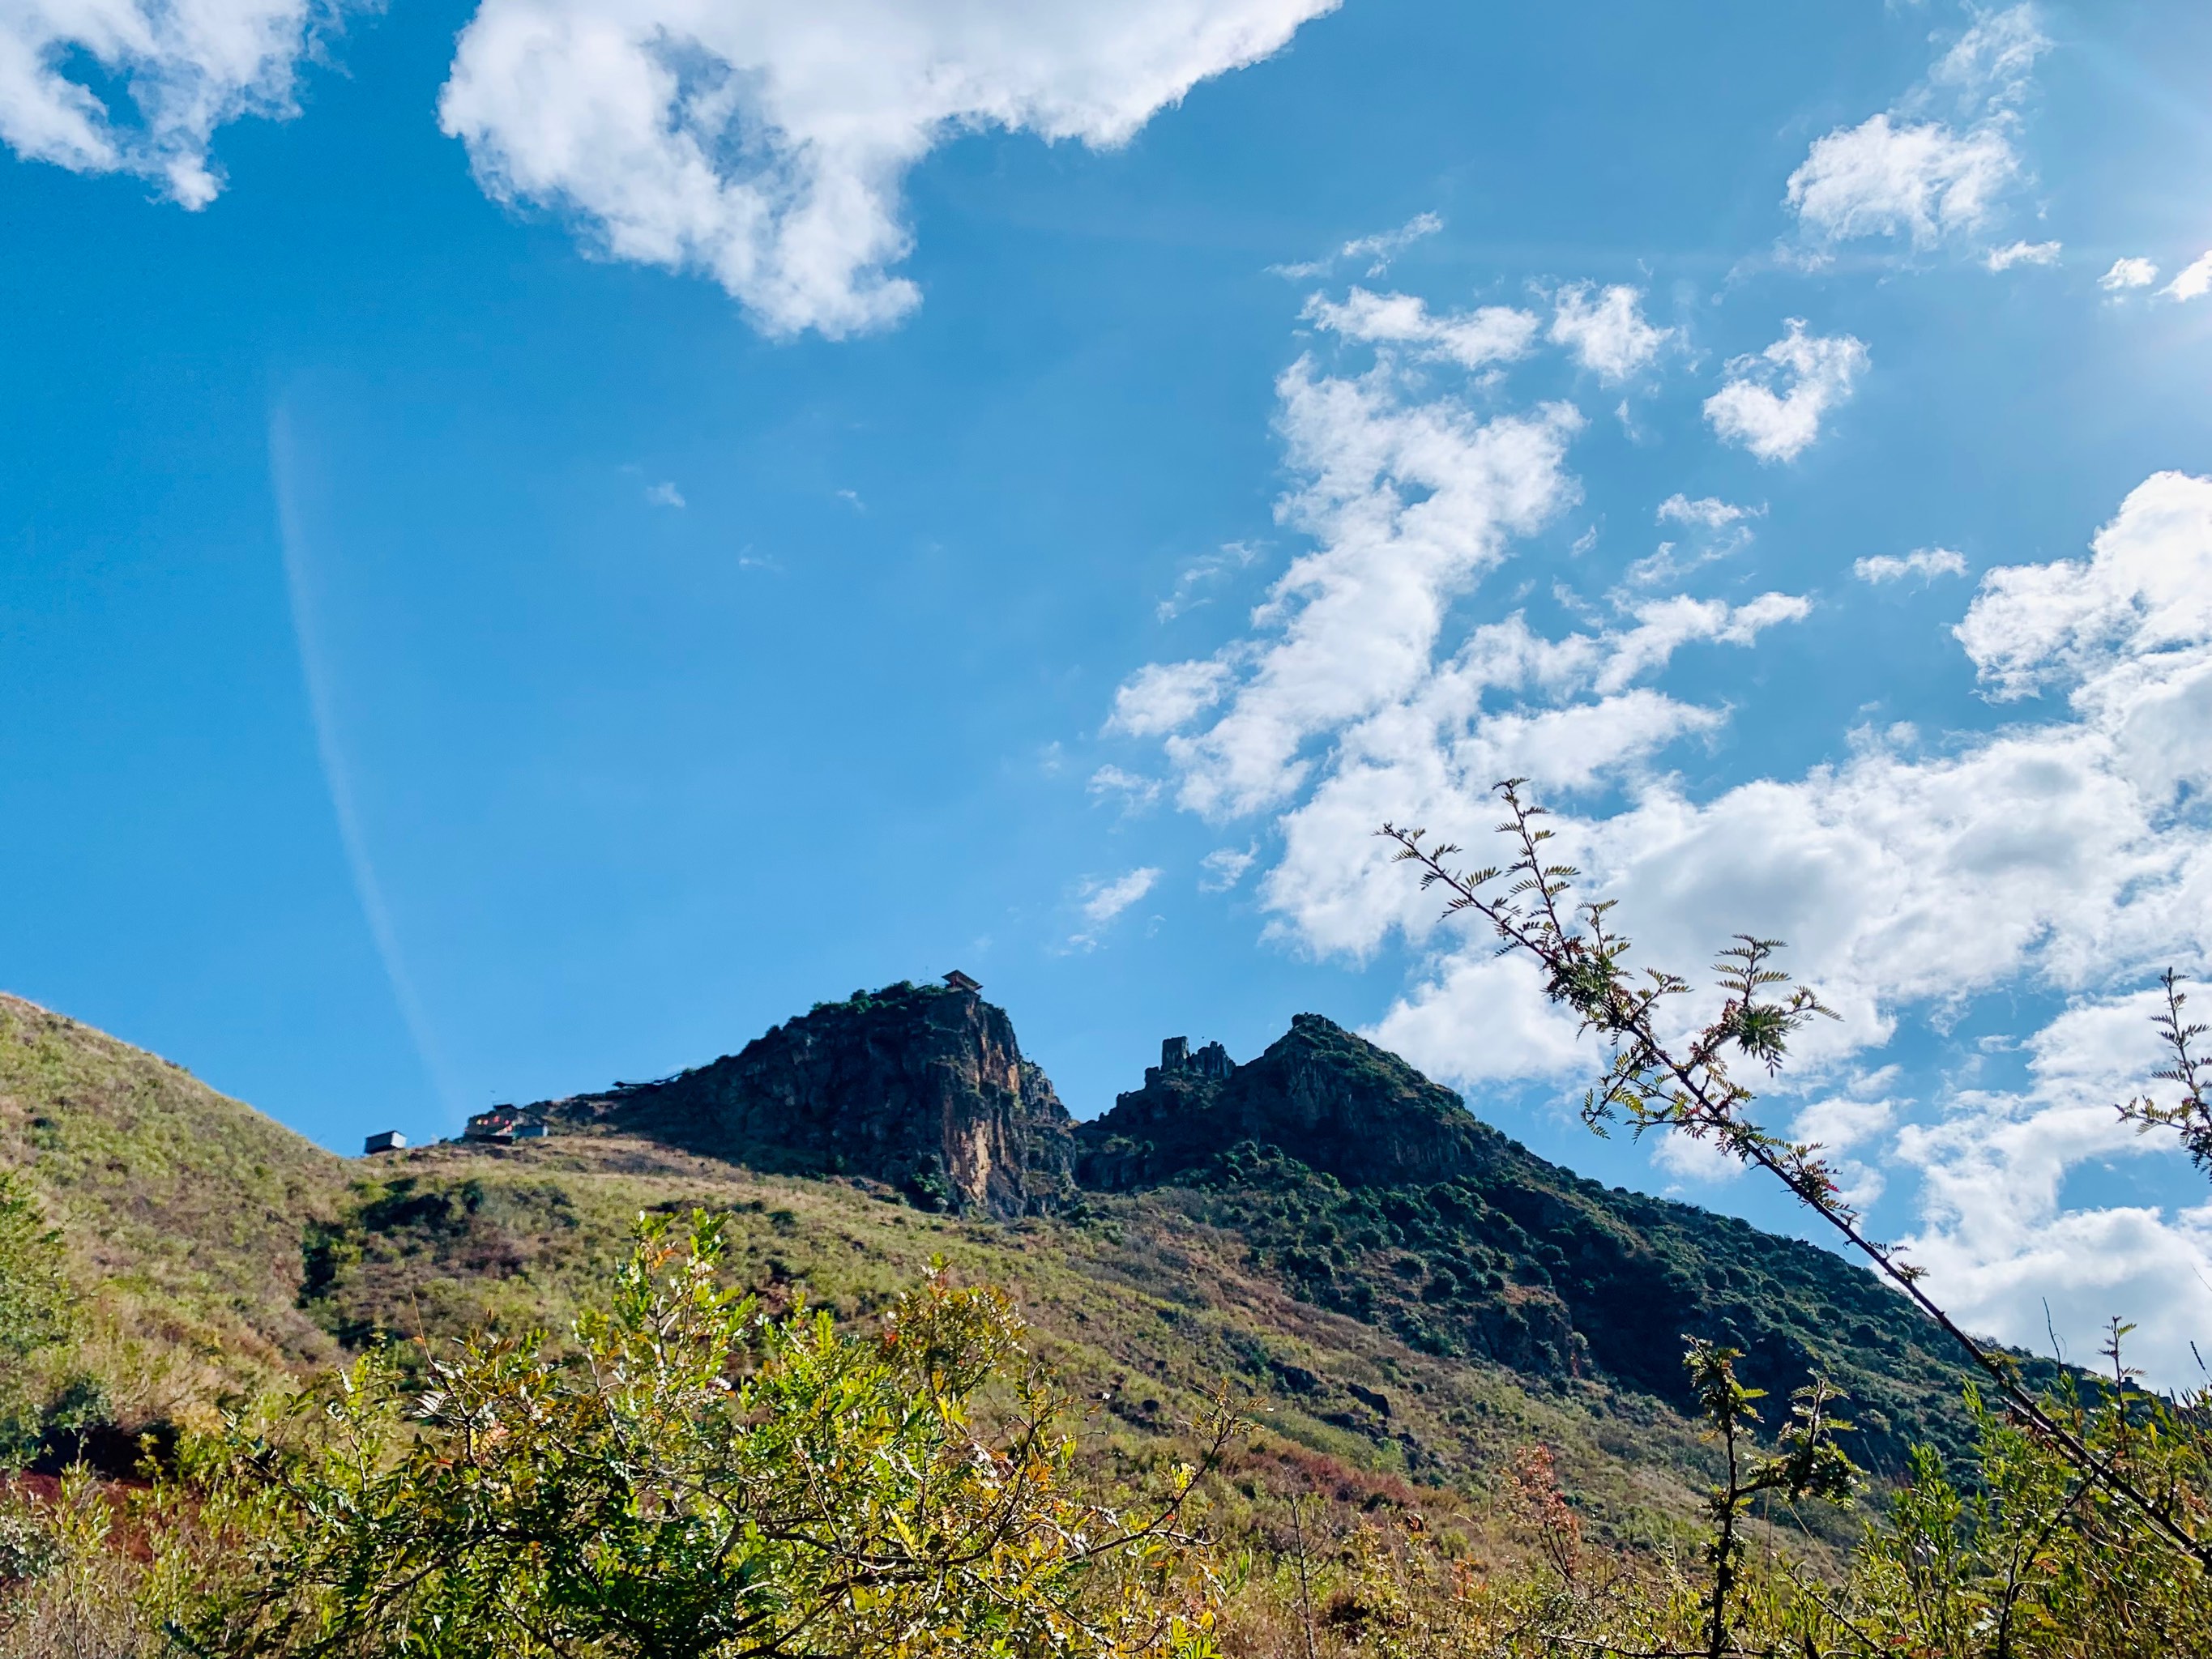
2068,857
1408,502
2145,591
765,145
140,87
2195,281
1486,335
1904,173
2129,273
1925,562
2023,253
1606,331
1996,1236
1923,182
1773,402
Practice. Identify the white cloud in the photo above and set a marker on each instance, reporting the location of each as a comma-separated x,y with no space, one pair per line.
1608,334
766,145
1990,65
2129,273
1690,1159
1408,502
2145,589
1815,374
663,494
2023,253
1379,250
1489,334
1995,1235
1707,512
1925,562
2194,282
1135,793
1162,696
140,87
1224,867
1483,1019
1838,1124
1927,180
2069,856
1101,900
1207,571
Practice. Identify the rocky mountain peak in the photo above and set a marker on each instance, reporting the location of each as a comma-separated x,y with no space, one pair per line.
1325,1095
922,1087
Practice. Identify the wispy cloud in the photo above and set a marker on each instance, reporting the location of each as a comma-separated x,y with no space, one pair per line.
1102,900
663,494
1925,562
1224,866
1708,512
2023,253
1206,572
1134,792
1378,249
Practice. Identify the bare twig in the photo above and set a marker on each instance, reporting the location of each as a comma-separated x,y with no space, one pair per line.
1687,1087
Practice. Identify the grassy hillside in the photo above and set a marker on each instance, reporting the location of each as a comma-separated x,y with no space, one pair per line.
1145,1305
1417,1331
182,1209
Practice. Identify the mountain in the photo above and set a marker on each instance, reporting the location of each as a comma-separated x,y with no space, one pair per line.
1331,1100
921,1087
1411,1291
1370,1188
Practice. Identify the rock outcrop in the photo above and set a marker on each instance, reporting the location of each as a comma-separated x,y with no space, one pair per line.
1324,1096
921,1087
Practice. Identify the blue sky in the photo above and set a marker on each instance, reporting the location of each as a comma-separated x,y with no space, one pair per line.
541,540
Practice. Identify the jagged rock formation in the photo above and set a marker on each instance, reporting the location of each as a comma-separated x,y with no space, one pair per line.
1322,1095
921,1087
1368,1189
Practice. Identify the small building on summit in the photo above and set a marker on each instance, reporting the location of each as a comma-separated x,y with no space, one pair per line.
960,982
503,1123
390,1140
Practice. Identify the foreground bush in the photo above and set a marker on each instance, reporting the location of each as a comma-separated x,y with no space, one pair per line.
694,1479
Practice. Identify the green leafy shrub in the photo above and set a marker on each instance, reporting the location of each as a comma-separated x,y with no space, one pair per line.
693,1479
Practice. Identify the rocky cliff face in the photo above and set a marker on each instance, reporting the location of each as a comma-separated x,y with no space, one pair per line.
1329,1098
922,1087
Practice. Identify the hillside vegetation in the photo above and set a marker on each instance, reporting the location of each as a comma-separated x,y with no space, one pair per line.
1469,1430
1438,1297
181,1212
